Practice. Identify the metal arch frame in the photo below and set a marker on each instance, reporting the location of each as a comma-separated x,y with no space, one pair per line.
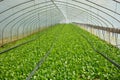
36,19
42,21
74,16
46,15
73,10
15,19
20,16
33,23
32,19
88,13
96,19
101,25
16,6
25,13
39,3
86,10
20,44
93,12
102,7
22,10
58,8
25,17
103,12
97,9
96,14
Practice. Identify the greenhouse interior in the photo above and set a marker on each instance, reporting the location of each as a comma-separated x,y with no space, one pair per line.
59,39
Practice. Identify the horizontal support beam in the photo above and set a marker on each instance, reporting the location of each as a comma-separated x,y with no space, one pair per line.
113,30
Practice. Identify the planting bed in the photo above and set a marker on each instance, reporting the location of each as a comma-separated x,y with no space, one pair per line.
70,58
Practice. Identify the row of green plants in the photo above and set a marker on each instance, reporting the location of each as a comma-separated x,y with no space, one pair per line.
103,47
71,58
18,63
42,30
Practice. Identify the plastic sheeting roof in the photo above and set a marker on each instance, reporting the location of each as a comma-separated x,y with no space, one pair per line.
18,15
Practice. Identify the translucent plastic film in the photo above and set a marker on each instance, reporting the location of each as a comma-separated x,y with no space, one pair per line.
19,18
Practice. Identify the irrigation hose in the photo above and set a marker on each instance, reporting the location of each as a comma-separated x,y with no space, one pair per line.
17,46
6,50
43,59
101,53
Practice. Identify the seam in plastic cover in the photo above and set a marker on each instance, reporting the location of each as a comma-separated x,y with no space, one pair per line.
118,1
1,0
